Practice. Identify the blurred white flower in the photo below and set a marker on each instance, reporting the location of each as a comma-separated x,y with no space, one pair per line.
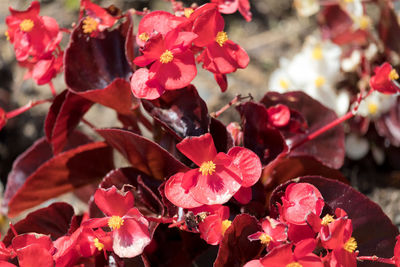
356,146
376,104
351,63
315,70
306,8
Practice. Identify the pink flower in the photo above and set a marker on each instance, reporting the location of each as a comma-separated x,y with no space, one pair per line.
130,231
217,179
172,64
301,199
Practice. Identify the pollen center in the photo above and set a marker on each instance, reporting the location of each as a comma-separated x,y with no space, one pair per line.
393,75
319,81
26,25
115,222
363,22
98,244
327,219
89,25
225,225
166,57
317,53
350,245
188,11
265,239
7,35
294,264
284,84
221,38
372,108
144,36
207,168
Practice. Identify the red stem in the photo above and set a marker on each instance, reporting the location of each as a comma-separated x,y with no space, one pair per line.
161,219
13,229
31,104
53,90
376,259
237,98
322,130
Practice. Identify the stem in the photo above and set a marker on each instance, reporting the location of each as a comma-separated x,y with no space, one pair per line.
160,219
177,224
65,30
237,98
145,122
91,126
53,90
31,104
334,123
322,130
13,229
376,259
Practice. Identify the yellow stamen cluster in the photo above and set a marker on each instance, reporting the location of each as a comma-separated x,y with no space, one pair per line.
265,239
350,245
221,38
225,225
364,22
115,222
372,108
144,36
188,11
317,53
207,168
89,25
98,244
393,75
320,81
349,1
284,84
166,57
294,264
26,25
327,219
7,35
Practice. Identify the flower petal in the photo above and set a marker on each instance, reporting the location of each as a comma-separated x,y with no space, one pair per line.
198,149
112,201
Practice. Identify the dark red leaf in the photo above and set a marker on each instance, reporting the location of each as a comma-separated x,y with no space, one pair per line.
328,147
285,169
182,112
143,154
53,220
337,26
222,139
37,176
388,28
266,142
97,69
235,248
131,46
64,115
374,232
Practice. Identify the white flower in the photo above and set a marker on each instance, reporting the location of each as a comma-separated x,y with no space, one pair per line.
376,104
351,63
356,146
306,8
315,70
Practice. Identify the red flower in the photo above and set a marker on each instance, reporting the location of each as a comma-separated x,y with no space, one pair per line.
220,55
45,69
396,256
156,22
338,238
219,177
273,234
283,256
384,79
173,66
301,199
231,6
212,228
279,115
33,248
97,18
32,35
130,231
